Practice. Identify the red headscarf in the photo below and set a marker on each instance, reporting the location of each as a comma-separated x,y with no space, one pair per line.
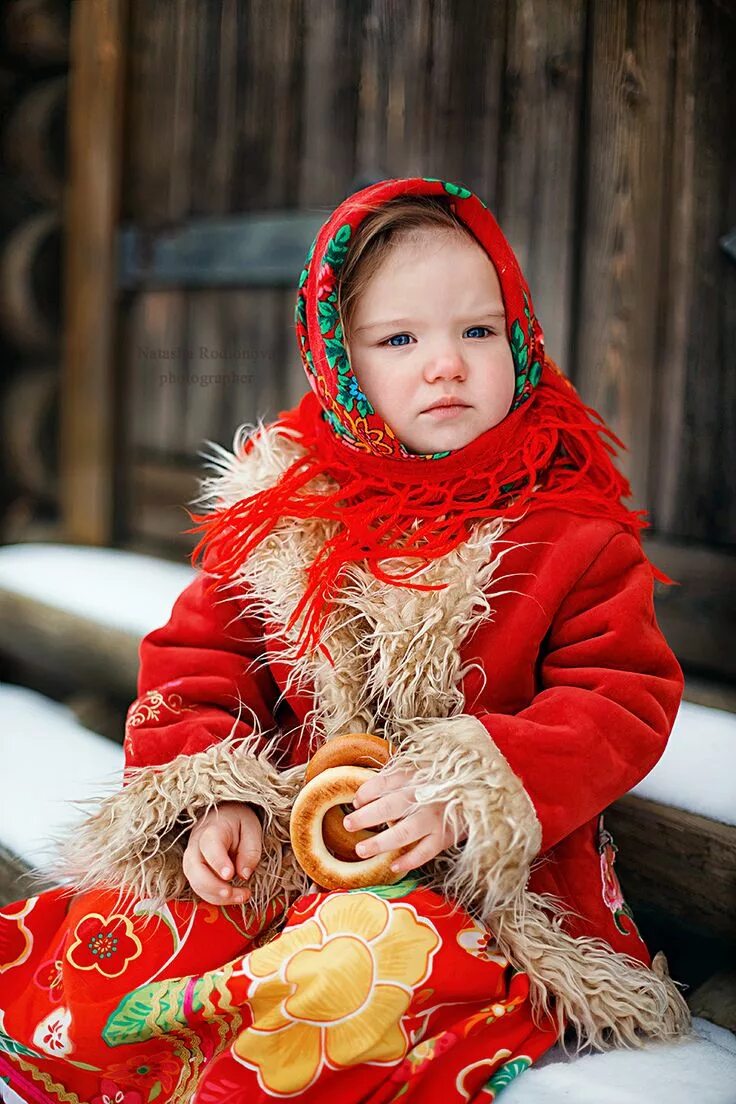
549,450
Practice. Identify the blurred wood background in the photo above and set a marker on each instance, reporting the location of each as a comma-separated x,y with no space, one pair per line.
600,132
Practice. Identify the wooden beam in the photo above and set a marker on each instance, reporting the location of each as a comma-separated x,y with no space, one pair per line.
258,249
50,640
697,616
683,863
87,427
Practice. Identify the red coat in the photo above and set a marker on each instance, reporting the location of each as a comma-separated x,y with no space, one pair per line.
580,695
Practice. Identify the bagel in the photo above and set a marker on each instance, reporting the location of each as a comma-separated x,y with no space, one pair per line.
322,845
359,749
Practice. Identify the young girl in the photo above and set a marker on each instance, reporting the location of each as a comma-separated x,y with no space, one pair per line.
431,547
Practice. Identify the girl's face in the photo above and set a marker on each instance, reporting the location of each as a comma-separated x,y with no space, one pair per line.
430,325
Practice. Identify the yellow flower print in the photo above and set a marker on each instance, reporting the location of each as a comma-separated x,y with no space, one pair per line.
333,990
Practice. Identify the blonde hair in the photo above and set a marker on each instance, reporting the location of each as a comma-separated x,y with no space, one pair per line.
375,238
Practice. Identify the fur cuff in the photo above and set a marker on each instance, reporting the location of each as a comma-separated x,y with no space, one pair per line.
135,841
457,763
607,998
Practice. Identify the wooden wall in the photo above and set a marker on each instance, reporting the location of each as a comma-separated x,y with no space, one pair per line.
600,132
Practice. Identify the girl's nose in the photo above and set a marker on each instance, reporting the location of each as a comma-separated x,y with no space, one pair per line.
449,365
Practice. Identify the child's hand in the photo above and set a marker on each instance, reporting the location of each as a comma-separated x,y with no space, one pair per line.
225,841
387,797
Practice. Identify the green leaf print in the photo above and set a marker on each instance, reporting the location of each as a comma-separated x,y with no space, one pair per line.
456,190
155,1092
517,337
398,889
506,1073
535,372
451,189
10,1046
336,356
327,313
519,348
158,1008
337,246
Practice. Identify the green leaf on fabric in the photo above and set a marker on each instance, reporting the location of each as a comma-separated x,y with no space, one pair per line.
10,1046
456,190
151,1010
399,889
337,246
506,1073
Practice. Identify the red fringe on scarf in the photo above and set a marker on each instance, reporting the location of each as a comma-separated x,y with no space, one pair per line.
552,451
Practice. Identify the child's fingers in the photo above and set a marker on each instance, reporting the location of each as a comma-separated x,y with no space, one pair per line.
389,806
382,782
248,854
406,831
214,852
208,885
425,850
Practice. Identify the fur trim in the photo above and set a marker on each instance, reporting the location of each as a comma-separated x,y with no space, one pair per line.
456,763
135,842
607,998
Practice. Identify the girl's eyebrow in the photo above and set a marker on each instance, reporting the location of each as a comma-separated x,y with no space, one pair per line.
494,312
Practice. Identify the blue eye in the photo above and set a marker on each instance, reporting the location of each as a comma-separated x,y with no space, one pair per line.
396,342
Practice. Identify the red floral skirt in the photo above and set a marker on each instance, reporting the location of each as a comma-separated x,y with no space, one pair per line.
370,995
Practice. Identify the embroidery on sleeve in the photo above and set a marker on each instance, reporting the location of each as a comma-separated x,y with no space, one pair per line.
611,887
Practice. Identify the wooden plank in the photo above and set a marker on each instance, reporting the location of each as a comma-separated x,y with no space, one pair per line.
461,82
715,1000
16,880
538,173
698,615
49,639
214,81
87,455
716,695
257,249
154,355
330,62
326,167
620,274
159,109
693,484
266,140
681,862
159,491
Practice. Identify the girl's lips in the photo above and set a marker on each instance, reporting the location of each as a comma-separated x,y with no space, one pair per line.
442,412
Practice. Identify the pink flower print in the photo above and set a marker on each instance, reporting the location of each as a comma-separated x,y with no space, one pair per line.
52,1033
110,1093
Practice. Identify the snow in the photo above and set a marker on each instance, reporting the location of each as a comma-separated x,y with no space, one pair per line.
701,1068
48,761
698,769
125,590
